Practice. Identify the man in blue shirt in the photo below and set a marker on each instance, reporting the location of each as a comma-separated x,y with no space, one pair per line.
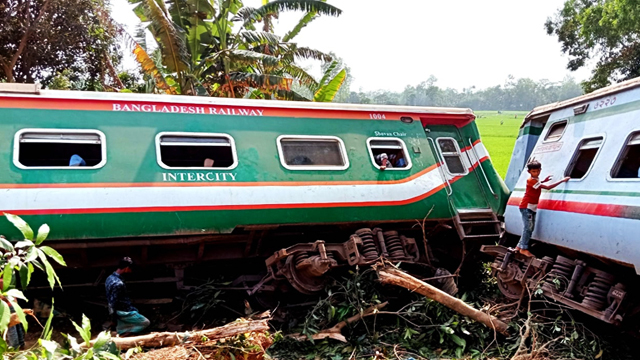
129,320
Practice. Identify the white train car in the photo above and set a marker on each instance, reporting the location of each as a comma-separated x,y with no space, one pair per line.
587,231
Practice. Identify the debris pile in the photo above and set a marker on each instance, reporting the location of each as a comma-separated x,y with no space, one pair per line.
241,339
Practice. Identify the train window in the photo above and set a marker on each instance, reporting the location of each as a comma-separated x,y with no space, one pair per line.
59,149
556,131
393,149
583,158
196,151
452,156
298,152
628,164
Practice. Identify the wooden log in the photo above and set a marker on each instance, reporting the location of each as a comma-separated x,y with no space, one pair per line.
164,339
391,275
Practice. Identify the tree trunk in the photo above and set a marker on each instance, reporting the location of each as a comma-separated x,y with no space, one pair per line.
8,72
393,276
165,339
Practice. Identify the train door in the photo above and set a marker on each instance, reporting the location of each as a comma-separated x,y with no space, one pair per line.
463,175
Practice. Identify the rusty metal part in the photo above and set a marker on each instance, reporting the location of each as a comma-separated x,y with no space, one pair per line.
369,250
575,277
588,289
394,245
558,278
507,283
304,265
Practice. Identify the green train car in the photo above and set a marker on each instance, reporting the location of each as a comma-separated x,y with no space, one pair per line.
181,180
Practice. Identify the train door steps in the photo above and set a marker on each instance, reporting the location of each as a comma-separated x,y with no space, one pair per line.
477,224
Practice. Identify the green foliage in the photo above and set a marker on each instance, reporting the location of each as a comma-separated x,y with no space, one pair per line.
515,94
18,260
43,39
605,30
414,326
213,47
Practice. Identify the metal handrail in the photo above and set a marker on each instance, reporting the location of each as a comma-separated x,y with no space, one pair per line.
448,189
481,169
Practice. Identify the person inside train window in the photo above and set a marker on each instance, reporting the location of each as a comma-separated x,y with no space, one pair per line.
392,150
397,160
529,203
128,319
382,160
208,162
77,160
301,160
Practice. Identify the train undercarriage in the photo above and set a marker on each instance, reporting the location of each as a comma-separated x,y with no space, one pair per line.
574,283
297,258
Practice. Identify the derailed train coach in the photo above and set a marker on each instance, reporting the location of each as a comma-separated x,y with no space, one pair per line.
174,181
587,255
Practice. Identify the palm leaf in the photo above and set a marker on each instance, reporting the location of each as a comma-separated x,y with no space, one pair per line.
306,19
149,67
262,81
140,37
277,6
190,15
255,94
259,37
147,64
290,95
328,92
247,57
244,14
327,73
174,52
301,75
308,53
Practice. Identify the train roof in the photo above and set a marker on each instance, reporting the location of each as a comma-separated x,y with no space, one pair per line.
545,110
30,96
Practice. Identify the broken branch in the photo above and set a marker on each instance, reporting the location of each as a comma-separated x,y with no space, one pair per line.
165,339
393,276
335,331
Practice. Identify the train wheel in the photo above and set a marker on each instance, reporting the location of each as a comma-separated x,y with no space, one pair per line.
508,285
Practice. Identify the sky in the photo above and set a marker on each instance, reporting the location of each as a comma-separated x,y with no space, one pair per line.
394,43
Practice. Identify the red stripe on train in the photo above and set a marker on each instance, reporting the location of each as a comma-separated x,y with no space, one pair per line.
610,210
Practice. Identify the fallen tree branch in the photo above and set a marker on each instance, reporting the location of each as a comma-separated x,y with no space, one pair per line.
335,332
165,339
391,275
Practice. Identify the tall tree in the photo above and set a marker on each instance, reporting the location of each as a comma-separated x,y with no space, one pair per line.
39,38
606,30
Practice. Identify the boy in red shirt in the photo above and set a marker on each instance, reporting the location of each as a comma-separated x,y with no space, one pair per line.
529,203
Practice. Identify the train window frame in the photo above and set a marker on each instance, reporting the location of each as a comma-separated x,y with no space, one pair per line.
556,124
403,147
18,137
232,145
458,152
343,153
576,152
621,154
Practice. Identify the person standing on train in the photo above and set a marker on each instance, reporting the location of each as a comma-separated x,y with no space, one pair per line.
529,203
128,319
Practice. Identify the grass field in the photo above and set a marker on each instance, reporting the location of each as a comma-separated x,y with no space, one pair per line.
499,133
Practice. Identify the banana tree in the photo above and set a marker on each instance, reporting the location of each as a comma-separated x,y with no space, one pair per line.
213,47
329,85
